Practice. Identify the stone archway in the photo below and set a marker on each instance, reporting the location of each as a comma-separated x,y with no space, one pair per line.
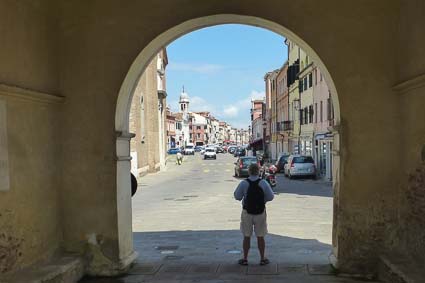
128,88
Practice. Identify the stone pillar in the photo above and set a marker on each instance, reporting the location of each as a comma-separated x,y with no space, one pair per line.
336,157
98,264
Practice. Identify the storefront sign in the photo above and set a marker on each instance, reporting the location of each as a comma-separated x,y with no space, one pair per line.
4,158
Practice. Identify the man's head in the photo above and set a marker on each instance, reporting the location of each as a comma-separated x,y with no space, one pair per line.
253,169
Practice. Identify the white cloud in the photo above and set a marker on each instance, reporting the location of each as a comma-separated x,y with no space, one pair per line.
199,104
257,94
230,111
239,112
246,103
201,68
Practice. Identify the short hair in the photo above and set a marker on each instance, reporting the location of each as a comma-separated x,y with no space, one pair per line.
253,169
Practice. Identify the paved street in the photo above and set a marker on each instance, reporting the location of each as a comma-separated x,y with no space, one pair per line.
186,227
192,206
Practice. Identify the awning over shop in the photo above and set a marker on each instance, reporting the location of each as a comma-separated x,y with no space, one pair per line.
257,144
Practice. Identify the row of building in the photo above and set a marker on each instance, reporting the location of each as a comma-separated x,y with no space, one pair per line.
200,128
296,115
157,128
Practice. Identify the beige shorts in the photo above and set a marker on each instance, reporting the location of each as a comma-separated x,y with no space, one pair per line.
256,222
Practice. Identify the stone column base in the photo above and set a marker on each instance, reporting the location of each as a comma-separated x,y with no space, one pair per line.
99,265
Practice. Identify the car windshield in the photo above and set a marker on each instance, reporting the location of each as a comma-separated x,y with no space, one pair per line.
189,146
210,150
303,159
248,161
284,158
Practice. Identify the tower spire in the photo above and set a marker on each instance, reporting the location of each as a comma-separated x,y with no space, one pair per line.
183,88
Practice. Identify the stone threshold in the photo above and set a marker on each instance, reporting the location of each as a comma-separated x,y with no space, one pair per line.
62,268
400,269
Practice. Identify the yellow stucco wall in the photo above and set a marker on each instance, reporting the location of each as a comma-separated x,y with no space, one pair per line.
30,226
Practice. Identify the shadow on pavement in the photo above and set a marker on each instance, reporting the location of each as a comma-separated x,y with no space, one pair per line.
212,254
302,186
218,246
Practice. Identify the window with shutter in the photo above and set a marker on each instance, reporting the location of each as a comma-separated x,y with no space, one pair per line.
310,78
306,115
310,118
301,116
305,83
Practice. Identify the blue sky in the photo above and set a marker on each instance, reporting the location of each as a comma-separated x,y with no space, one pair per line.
222,68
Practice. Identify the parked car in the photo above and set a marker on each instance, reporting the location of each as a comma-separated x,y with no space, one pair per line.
281,161
300,165
219,149
198,148
210,153
231,149
189,149
239,152
242,164
173,150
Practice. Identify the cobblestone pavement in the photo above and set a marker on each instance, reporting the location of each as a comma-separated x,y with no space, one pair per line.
186,228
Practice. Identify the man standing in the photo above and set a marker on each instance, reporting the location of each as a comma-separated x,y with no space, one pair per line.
254,193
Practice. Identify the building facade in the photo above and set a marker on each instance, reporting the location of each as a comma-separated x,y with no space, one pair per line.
257,124
323,122
301,112
306,112
282,111
148,118
171,129
270,80
294,99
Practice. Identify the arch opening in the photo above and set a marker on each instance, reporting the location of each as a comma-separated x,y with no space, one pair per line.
128,88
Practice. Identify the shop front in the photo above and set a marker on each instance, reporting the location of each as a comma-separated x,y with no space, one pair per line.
323,155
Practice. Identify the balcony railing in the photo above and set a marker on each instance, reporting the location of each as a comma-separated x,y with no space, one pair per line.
284,126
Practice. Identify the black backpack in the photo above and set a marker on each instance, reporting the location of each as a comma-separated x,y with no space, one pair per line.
254,201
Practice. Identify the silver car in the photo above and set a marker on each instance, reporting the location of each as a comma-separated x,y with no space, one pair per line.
300,165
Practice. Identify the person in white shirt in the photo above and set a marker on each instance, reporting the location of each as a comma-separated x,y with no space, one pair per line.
254,193
179,158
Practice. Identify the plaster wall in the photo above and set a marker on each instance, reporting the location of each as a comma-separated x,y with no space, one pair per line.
411,91
30,212
146,141
30,209
320,94
28,49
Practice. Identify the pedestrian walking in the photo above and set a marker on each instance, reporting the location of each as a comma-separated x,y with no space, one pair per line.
254,193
